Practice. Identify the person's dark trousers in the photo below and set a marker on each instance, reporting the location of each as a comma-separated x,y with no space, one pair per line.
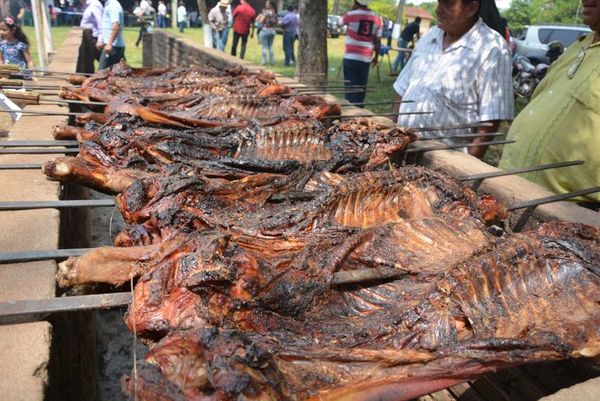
88,52
106,60
181,26
356,75
288,47
236,38
143,30
162,23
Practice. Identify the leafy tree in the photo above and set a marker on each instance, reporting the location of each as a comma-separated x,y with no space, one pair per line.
532,12
430,7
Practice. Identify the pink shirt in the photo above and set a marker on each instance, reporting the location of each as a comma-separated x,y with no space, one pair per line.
363,27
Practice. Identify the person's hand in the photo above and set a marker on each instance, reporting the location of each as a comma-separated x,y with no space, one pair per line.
108,48
99,44
374,62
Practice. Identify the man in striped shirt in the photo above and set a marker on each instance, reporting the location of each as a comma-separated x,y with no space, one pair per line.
461,71
363,38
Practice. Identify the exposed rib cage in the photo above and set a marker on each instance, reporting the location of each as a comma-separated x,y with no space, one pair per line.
296,140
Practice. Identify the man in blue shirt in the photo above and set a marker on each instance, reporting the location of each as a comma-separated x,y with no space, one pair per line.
289,23
408,35
111,39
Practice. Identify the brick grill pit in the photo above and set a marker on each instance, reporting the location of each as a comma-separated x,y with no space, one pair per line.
82,356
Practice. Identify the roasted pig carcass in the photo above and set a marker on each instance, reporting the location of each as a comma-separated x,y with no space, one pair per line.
231,112
532,298
259,148
121,79
299,201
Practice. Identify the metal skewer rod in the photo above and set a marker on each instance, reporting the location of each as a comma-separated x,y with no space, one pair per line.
450,128
462,136
378,115
14,312
319,92
36,151
21,166
87,74
34,256
479,178
56,204
362,276
449,147
377,103
28,144
530,206
27,311
46,100
44,113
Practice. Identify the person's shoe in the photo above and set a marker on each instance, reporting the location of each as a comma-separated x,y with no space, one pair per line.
292,62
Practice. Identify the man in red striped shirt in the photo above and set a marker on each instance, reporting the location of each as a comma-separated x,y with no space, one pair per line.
363,42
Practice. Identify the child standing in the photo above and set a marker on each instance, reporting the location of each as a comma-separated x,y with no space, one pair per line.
14,47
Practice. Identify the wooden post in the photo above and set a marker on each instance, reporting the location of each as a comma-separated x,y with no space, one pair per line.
399,15
174,5
312,49
203,11
43,35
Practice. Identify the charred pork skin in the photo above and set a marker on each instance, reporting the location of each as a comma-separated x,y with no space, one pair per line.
532,298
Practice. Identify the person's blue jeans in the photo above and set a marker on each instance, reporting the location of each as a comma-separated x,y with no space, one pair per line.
399,62
225,36
106,60
217,39
288,47
266,37
162,21
356,76
181,26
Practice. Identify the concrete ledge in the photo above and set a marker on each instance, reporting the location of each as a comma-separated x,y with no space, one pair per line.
586,391
27,352
509,190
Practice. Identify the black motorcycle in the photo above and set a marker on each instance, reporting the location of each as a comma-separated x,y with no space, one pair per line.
527,76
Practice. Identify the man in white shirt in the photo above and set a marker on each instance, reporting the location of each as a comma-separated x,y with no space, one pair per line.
162,14
461,71
181,16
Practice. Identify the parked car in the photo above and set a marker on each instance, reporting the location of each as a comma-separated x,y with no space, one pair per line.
533,42
335,26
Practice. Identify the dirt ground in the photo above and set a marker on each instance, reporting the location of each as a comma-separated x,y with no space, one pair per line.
115,343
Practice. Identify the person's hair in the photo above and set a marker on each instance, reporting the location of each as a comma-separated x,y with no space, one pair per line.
11,23
488,12
291,8
418,19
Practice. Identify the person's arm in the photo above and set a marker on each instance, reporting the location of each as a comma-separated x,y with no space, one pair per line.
376,50
1,58
479,151
28,58
496,96
113,35
21,13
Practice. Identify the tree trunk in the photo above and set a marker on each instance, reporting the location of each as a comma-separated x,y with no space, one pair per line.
312,53
203,11
400,11
279,5
336,7
398,23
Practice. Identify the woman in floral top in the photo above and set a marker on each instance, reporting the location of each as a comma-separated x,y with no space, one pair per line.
267,20
14,47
